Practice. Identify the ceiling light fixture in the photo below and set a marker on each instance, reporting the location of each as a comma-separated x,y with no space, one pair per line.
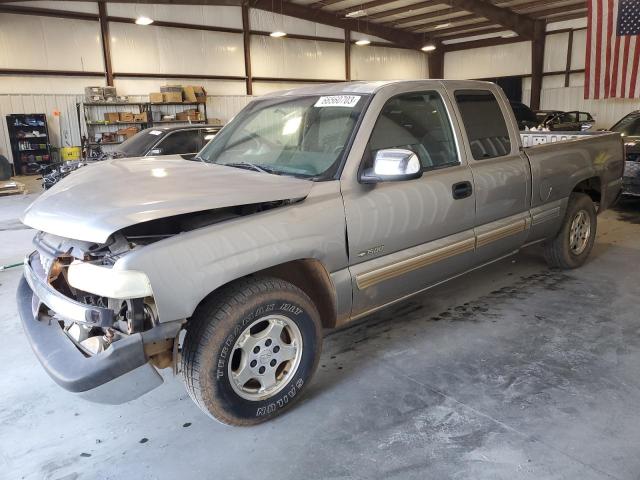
278,34
428,48
363,42
356,14
143,21
443,25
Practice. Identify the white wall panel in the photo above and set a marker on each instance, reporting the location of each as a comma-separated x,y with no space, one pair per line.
225,107
216,16
576,80
488,62
384,63
555,52
552,81
575,23
47,43
140,49
579,49
606,112
143,86
262,88
262,20
83,7
47,84
293,58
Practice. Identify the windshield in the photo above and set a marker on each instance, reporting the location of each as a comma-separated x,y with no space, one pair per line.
629,126
140,143
300,136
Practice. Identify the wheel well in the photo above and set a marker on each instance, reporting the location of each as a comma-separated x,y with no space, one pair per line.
310,276
592,187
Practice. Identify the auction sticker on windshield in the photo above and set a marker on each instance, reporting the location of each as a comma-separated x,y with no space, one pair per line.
338,101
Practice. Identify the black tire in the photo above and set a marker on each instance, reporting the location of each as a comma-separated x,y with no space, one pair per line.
558,252
213,331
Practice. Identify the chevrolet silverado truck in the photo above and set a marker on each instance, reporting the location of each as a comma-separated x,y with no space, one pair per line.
310,209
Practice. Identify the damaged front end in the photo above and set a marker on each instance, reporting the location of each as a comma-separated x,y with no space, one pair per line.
93,327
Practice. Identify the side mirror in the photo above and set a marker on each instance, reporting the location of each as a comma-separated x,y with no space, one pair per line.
392,165
155,151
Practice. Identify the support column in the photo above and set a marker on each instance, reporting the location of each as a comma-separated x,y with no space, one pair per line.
435,60
347,54
246,37
537,63
106,45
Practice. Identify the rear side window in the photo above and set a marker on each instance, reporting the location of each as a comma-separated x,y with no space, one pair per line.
585,117
484,122
419,122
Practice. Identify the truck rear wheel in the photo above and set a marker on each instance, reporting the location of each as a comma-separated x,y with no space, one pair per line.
574,242
250,350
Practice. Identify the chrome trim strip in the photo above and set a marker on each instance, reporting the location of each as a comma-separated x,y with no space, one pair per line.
546,215
409,295
62,306
501,232
368,279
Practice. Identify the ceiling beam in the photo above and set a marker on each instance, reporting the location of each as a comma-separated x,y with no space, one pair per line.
399,37
558,10
364,6
455,27
428,16
407,9
521,24
435,23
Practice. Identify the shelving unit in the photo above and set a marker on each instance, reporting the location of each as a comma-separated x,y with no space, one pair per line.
173,110
29,138
92,114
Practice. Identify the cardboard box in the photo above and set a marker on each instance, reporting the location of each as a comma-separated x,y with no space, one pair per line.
194,94
192,115
126,117
94,91
172,97
140,117
171,89
155,97
112,116
128,132
109,91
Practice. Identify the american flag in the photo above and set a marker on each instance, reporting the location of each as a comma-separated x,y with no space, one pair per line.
613,49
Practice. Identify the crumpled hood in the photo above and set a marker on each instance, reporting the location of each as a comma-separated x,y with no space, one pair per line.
100,199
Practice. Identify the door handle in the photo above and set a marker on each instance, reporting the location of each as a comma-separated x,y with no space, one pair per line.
461,190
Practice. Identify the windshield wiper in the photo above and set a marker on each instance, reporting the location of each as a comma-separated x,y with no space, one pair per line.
249,166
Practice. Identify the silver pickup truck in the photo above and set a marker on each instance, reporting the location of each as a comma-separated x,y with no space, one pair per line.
312,208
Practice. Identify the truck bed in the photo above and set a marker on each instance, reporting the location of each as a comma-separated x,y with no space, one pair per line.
556,158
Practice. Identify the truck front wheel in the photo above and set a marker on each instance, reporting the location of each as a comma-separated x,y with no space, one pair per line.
573,243
250,350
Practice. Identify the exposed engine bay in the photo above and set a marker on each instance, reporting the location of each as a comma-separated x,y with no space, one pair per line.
55,256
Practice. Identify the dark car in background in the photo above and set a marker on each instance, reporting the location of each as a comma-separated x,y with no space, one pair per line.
629,129
524,115
570,122
544,116
185,140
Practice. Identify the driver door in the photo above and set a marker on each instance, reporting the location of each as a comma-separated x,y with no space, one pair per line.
404,236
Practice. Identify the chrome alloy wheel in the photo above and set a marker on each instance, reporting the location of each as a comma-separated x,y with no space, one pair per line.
265,357
579,232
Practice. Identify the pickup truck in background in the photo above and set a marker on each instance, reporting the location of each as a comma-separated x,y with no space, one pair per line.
312,208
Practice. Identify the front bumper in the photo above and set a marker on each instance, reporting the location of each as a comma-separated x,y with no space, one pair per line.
116,375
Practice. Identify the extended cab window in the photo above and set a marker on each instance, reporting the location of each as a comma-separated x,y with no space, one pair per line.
484,122
416,122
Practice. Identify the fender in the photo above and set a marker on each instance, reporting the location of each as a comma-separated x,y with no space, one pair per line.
187,267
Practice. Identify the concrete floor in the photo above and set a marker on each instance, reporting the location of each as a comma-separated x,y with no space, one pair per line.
514,372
